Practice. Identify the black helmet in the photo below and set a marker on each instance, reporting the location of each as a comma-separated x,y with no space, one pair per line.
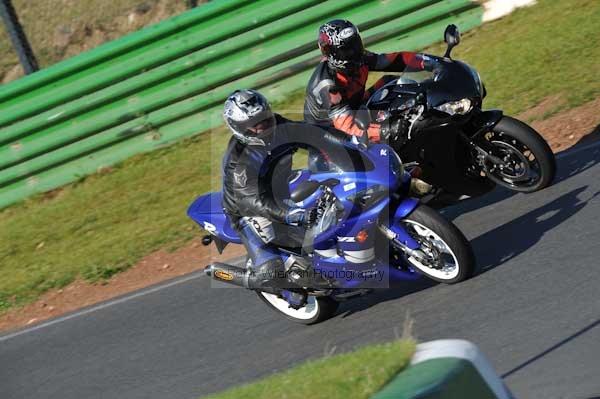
340,43
249,116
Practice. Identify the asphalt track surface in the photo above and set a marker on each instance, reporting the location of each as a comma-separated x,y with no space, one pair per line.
534,309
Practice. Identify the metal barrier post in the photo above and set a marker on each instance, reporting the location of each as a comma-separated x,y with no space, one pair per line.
17,37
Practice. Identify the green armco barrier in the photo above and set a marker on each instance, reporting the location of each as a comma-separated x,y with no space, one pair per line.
169,92
117,47
446,369
183,94
210,32
217,72
176,67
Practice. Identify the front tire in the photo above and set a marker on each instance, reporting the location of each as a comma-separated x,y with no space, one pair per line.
450,253
530,164
316,310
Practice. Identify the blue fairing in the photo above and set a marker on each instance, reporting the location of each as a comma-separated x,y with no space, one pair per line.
405,208
363,182
207,211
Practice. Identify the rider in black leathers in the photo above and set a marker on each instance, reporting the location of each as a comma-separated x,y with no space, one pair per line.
256,169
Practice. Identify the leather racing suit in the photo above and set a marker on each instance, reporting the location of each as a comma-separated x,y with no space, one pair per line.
335,98
256,190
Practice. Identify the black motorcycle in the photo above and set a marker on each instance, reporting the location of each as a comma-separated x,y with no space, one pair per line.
461,150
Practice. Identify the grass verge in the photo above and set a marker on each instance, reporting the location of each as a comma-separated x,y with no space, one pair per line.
354,375
549,49
106,223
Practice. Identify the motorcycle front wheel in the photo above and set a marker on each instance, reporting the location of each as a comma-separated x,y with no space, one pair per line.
449,255
527,162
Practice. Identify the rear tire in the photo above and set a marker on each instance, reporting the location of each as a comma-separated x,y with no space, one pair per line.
430,228
317,310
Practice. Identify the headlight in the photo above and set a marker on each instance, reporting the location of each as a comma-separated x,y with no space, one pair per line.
460,107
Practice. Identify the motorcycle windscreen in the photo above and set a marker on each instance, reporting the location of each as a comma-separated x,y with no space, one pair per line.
207,211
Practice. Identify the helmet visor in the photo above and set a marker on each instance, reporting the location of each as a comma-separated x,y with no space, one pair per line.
350,53
261,127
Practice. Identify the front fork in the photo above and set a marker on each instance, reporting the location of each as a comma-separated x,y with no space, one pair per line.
398,235
483,122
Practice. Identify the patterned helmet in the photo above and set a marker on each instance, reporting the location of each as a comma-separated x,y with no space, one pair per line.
340,43
249,116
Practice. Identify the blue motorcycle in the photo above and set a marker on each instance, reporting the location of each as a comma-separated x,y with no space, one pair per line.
369,234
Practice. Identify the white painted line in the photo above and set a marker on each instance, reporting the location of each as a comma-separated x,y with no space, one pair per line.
104,305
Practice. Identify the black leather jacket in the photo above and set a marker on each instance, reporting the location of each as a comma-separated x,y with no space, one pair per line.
255,178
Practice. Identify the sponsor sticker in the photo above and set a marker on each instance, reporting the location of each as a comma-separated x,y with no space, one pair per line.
349,186
210,227
223,275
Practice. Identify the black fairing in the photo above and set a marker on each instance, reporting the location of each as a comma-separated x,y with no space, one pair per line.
442,157
482,121
437,141
454,81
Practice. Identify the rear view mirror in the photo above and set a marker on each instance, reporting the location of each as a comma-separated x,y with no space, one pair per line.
452,38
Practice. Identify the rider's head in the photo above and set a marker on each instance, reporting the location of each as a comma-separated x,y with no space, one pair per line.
340,43
249,116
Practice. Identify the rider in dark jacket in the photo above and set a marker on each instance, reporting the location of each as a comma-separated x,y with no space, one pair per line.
256,168
336,93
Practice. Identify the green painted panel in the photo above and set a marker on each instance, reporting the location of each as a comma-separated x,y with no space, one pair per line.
443,378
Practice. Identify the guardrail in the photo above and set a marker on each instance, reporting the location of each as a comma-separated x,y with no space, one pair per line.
168,81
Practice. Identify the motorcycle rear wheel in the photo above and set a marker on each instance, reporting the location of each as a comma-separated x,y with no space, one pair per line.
530,163
440,239
316,310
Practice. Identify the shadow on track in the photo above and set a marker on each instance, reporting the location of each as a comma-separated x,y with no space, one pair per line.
506,241
569,164
551,349
396,290
519,235
492,248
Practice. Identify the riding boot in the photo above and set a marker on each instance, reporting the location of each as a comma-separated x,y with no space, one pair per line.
270,274
271,277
